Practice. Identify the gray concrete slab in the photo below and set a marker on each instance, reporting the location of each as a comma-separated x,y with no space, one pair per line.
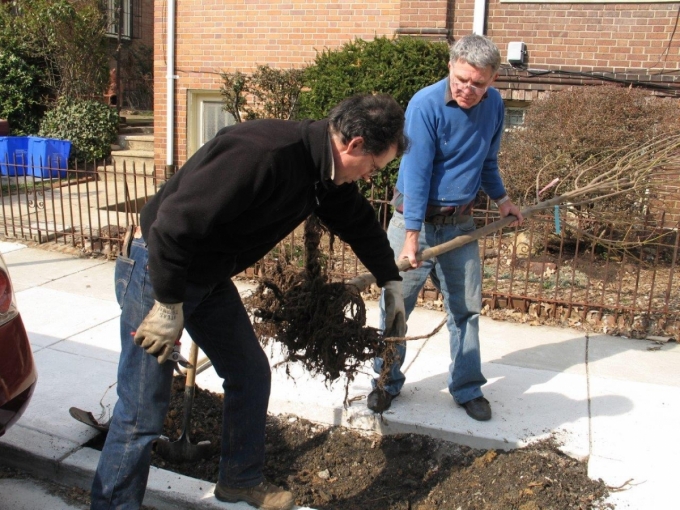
33,267
18,494
51,315
96,281
66,380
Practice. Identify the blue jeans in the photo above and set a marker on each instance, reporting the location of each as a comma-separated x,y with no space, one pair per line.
457,275
215,318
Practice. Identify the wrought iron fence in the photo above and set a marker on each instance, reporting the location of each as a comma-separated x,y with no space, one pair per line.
623,282
86,206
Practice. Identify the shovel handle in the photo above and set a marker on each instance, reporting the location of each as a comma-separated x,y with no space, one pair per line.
191,370
363,281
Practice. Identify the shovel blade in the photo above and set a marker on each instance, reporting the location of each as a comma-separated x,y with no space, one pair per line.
88,418
182,450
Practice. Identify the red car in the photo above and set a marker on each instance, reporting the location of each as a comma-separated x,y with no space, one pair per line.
18,375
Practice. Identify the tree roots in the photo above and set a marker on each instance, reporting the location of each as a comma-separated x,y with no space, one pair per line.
320,324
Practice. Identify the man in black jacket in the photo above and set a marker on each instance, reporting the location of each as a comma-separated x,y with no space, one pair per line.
233,201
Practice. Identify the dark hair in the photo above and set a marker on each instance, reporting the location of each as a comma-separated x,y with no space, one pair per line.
377,118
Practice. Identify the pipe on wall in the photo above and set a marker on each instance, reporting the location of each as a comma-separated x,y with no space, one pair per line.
479,17
170,96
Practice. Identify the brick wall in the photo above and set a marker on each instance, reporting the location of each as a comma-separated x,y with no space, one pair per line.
218,35
633,40
605,37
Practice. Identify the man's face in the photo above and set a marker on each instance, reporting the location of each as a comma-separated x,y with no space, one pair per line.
469,83
354,164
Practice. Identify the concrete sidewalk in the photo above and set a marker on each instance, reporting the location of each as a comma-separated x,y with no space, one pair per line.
608,400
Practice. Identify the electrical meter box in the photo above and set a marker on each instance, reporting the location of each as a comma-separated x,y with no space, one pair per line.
517,52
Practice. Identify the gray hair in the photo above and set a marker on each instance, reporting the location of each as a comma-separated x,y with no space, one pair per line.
477,50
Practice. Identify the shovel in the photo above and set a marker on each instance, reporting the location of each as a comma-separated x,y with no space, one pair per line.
183,450
363,281
88,418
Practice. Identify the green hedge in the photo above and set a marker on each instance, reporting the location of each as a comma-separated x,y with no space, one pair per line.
91,127
20,94
396,66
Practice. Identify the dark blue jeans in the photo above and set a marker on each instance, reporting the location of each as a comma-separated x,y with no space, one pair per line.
215,318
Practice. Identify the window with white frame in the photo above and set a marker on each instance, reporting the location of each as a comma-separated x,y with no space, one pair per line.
205,117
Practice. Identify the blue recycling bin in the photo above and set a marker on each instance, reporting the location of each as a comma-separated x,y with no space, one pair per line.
13,155
48,157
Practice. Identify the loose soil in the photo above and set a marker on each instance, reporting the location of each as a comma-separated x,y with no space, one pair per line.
334,468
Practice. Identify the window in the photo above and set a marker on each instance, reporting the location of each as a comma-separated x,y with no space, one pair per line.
129,21
205,117
514,117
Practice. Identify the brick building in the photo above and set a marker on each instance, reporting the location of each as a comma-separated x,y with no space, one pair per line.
564,44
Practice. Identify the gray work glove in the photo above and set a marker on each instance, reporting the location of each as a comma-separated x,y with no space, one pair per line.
395,314
160,330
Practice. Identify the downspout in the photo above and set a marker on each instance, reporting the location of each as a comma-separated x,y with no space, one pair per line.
170,88
479,17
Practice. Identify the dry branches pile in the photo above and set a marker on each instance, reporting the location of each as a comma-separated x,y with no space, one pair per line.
632,170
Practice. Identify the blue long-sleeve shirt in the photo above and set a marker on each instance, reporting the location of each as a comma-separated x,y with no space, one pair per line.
454,151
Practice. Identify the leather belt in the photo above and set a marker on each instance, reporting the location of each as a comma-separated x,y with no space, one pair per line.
447,219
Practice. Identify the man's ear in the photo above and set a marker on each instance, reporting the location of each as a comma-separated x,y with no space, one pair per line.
356,144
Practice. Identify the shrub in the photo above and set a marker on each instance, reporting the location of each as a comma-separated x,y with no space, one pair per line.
137,71
568,133
399,67
568,128
20,91
67,36
268,93
90,126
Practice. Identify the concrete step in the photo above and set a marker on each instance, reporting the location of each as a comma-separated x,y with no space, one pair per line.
134,160
136,142
135,130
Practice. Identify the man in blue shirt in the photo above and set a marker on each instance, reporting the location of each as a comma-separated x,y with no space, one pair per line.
455,128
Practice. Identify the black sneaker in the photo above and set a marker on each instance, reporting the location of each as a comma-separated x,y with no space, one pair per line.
478,408
379,400
265,496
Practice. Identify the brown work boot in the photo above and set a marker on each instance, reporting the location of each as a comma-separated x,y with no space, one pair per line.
265,496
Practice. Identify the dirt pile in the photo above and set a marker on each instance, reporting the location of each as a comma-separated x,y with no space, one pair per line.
334,468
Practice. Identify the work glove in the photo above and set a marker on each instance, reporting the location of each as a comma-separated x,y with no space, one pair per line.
160,330
395,314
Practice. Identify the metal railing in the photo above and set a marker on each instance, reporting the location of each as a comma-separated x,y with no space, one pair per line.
87,206
626,285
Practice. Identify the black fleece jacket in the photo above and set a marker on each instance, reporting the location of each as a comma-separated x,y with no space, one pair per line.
242,193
